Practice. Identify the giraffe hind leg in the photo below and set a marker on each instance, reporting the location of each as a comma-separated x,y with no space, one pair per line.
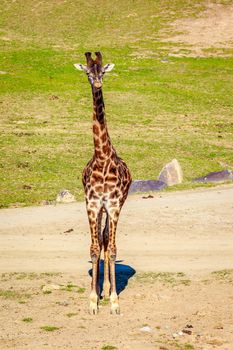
114,299
95,251
106,285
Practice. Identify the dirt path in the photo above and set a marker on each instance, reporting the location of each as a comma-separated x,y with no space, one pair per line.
187,231
179,244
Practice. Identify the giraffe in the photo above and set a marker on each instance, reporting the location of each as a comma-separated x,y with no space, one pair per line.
106,180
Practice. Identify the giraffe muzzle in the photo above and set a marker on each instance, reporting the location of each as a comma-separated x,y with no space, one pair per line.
97,84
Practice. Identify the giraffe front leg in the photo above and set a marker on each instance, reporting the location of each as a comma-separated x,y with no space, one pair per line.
94,296
106,285
114,300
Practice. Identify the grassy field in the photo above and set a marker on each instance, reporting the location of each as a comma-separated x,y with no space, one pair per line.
158,106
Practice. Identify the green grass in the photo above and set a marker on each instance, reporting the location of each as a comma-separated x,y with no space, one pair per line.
162,277
156,111
70,287
223,275
12,294
108,347
50,328
27,275
27,320
71,314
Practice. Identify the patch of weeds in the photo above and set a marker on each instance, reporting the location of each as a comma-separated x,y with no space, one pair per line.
27,320
47,292
145,325
69,287
176,345
24,275
50,274
19,275
71,314
163,277
11,294
188,346
108,347
104,302
223,275
50,328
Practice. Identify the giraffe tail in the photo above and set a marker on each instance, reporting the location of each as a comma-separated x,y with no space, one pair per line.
103,229
105,233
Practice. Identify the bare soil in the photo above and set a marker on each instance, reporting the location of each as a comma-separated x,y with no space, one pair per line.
212,28
174,273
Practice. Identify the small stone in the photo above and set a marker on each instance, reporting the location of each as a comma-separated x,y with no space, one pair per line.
138,296
54,97
188,326
175,335
218,326
46,202
180,333
69,230
171,173
146,329
3,72
64,303
65,197
27,187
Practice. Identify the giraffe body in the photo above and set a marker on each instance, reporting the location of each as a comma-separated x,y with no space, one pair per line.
106,181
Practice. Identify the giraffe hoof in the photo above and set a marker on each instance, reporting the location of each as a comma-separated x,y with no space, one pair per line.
93,306
115,310
93,309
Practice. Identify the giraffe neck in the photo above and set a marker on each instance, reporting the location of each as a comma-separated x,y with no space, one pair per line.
102,142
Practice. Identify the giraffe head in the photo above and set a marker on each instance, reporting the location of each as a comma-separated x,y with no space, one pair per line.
94,69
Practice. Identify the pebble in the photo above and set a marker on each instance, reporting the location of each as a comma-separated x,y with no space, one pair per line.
65,196
146,329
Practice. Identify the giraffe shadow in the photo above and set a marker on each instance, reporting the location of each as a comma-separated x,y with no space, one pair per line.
123,274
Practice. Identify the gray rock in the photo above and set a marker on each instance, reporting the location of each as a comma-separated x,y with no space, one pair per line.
65,197
171,173
218,176
146,186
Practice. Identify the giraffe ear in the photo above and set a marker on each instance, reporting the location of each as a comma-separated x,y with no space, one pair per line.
108,67
80,67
